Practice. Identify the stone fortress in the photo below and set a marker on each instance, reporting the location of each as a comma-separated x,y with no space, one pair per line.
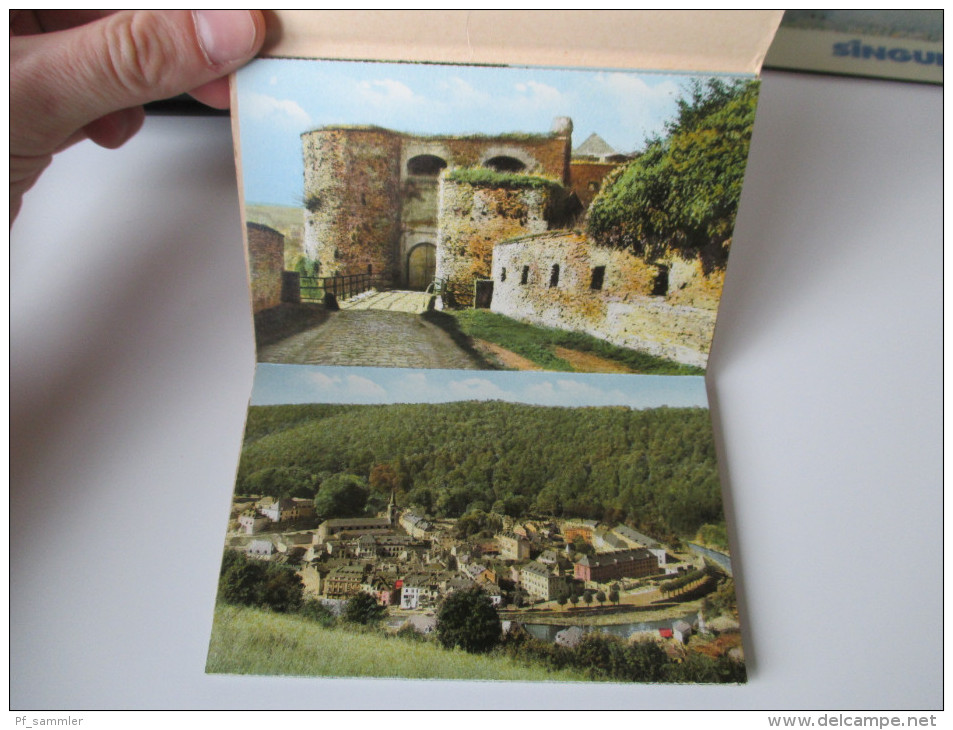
497,221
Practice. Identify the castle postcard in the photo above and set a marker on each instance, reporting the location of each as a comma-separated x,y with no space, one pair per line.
425,215
558,514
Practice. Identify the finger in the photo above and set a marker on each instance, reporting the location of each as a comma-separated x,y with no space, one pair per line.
114,130
76,76
214,94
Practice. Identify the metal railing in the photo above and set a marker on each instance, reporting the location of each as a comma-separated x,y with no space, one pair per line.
314,288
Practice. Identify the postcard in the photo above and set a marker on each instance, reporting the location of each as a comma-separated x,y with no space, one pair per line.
479,444
560,219
505,525
906,45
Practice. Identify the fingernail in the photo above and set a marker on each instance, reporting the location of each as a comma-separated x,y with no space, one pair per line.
225,36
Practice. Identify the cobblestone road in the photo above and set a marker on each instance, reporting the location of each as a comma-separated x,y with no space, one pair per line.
394,336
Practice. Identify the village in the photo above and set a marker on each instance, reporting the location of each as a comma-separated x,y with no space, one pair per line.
555,577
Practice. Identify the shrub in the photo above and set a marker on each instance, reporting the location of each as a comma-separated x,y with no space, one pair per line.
468,619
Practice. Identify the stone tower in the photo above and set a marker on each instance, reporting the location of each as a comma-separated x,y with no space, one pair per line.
352,200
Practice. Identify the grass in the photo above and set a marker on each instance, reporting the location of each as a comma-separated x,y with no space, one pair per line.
279,217
253,641
536,343
483,177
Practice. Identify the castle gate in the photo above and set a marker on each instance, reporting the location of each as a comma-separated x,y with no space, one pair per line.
421,266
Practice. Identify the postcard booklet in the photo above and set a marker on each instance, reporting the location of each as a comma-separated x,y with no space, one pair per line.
485,268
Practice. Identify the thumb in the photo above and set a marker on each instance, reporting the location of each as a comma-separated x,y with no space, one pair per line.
65,80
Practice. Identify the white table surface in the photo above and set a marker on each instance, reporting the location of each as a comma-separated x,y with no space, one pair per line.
132,361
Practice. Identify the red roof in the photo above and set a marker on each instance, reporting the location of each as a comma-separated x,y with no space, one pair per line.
665,633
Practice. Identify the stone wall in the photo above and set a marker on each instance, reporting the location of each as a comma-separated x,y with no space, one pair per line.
585,178
266,255
607,293
366,204
471,220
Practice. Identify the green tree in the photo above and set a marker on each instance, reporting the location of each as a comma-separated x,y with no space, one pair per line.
363,608
601,597
468,619
682,192
281,589
316,611
279,481
614,595
343,495
240,579
253,583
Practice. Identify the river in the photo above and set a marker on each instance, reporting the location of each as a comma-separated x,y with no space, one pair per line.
547,632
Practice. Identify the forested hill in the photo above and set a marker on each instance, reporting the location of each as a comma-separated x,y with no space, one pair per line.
652,468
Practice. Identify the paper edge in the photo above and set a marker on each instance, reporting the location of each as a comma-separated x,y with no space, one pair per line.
714,41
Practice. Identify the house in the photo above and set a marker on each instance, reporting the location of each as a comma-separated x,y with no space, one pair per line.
357,525
604,540
416,526
261,548
542,581
603,567
286,510
251,521
682,631
478,572
419,590
289,540
573,530
382,587
554,557
494,592
569,637
513,546
635,538
344,582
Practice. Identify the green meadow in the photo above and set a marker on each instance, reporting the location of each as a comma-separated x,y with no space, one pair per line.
254,641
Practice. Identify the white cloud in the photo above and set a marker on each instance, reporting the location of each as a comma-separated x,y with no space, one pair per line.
458,92
362,387
644,106
539,93
415,388
540,393
317,379
475,389
275,111
387,92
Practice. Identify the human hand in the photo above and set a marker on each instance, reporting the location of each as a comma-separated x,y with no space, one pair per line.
77,74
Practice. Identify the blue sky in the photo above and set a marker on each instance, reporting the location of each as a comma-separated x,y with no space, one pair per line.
279,384
281,98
